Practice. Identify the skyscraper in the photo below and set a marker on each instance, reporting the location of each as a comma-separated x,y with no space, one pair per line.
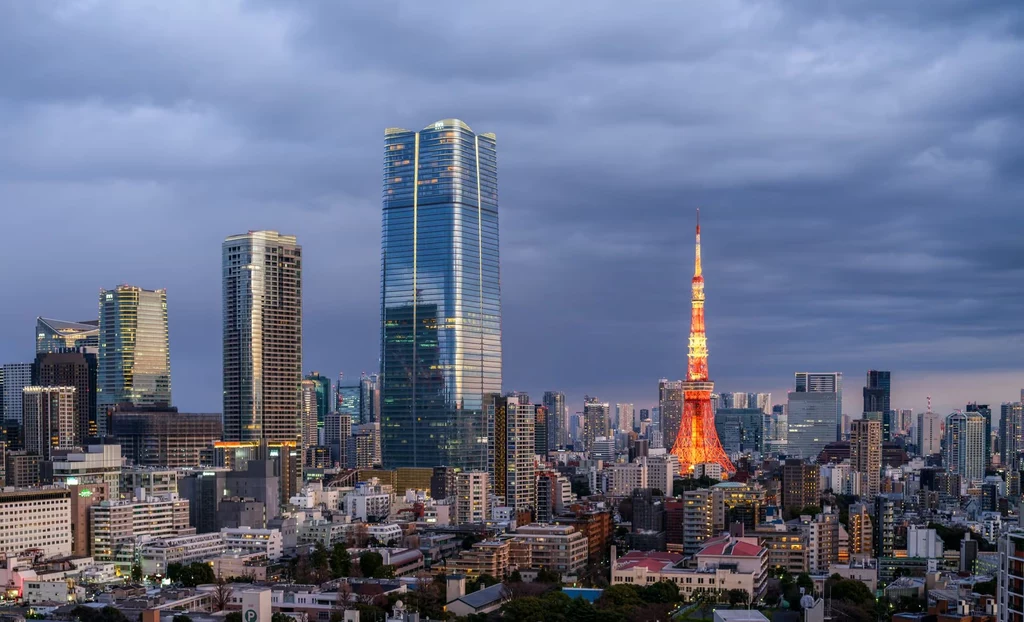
324,397
16,376
670,408
49,419
866,454
696,440
440,295
134,354
877,400
1011,435
624,417
595,421
262,337
986,413
308,419
965,446
814,413
76,369
369,398
558,424
56,335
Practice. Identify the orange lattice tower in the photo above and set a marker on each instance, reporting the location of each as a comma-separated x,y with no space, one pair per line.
697,441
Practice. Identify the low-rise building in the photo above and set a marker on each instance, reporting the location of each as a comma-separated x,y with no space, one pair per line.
269,542
487,557
240,564
369,502
861,568
554,547
158,553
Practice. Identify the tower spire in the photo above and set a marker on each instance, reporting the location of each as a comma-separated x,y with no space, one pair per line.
697,269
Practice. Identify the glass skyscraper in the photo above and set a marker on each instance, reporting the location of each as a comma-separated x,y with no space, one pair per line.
440,296
56,335
135,356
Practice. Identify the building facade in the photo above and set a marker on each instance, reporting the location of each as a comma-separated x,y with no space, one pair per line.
49,418
54,336
866,454
558,425
965,446
35,520
262,303
440,295
72,369
165,437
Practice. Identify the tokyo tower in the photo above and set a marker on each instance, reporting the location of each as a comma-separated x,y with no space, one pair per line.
697,441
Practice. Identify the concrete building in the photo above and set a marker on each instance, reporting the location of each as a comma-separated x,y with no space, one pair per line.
924,543
268,542
861,541
83,497
787,545
736,502
49,418
560,548
94,464
37,519
237,512
596,421
627,477
472,497
670,411
800,483
661,470
21,469
866,454
822,531
965,446
16,376
72,369
164,437
929,433
142,482
369,502
513,476
158,553
486,557
120,527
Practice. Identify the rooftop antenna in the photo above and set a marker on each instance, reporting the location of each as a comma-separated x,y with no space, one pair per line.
929,403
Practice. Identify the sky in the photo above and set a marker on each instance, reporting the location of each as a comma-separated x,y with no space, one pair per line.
859,168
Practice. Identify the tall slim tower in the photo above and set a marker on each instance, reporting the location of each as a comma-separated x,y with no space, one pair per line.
697,440
440,296
262,273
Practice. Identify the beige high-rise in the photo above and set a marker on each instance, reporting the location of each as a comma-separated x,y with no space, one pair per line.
262,272
866,454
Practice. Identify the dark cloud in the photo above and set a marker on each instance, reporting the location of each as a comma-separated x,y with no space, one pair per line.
858,165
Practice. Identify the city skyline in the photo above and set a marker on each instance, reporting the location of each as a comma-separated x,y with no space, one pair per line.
898,292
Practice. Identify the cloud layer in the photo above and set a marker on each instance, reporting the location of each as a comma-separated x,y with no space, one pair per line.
858,165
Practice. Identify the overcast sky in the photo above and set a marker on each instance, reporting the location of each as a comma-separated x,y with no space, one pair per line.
858,166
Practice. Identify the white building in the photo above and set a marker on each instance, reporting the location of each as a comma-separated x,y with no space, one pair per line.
96,464
603,449
385,534
49,416
157,553
35,519
521,485
368,502
624,417
626,477
143,482
661,470
266,541
472,499
120,527
923,542
965,446
929,433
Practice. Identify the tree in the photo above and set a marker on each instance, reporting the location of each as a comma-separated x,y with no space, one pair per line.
341,561
196,573
174,571
737,597
136,572
515,577
618,597
321,563
106,614
469,541
221,595
483,580
986,587
181,618
280,617
370,563
660,592
805,581
234,616
548,576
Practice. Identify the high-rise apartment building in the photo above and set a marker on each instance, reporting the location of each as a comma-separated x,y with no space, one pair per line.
558,425
624,417
540,430
49,418
308,418
814,413
670,409
134,354
877,392
57,335
324,397
513,470
986,413
440,295
1011,435
472,502
77,369
965,446
860,530
866,454
929,432
118,527
262,291
595,421
800,485
16,376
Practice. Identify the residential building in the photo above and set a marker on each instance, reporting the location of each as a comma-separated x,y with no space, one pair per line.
36,519
627,477
1011,435
670,410
134,351
309,425
21,469
540,430
120,527
736,502
965,446
929,433
1010,591
262,306
596,421
661,470
787,545
440,356
860,530
472,503
267,542
486,557
698,519
866,454
800,483
72,369
513,473
560,548
596,526
337,432
54,336
822,531
324,396
49,418
156,554
554,495
165,437
624,418
368,502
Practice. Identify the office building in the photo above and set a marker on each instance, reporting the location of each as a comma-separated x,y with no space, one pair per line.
369,398
21,469
472,502
596,421
269,542
349,400
698,519
741,430
866,454
641,414
554,495
83,497
324,396
877,391
157,554
205,490
558,425
822,382
16,376
93,465
625,478
1011,435
50,415
54,336
986,414
146,482
76,369
238,512
929,432
813,423
965,446
736,502
365,446
661,470
134,355
670,410
165,437
441,351
35,520
337,432
262,305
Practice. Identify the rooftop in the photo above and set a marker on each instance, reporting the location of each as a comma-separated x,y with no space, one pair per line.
728,546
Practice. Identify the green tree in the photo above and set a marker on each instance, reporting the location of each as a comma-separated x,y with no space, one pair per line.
234,616
851,591
136,572
341,561
515,577
321,563
805,581
986,587
370,563
528,609
469,541
106,614
737,597
618,597
196,573
483,580
174,571
660,592
548,576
